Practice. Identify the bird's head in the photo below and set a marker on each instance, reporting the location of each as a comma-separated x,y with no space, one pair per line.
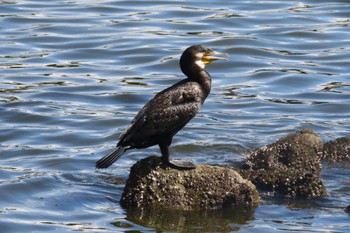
197,56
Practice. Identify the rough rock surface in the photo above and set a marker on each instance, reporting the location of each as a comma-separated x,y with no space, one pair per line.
290,166
337,150
152,183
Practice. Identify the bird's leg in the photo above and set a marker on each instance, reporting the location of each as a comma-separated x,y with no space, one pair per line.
164,149
178,164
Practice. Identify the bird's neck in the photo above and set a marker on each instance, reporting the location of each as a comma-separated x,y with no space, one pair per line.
204,79
200,76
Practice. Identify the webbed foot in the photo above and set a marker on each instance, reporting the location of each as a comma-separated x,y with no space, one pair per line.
181,164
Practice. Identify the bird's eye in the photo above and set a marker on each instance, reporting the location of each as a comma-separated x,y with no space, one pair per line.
209,51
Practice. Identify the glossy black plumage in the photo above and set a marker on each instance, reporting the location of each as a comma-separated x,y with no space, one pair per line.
169,110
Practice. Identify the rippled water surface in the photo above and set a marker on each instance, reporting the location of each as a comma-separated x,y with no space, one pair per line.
74,73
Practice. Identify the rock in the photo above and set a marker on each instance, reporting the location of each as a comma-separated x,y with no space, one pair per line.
290,166
337,150
152,183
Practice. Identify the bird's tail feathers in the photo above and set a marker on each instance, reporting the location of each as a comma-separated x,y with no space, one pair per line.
110,158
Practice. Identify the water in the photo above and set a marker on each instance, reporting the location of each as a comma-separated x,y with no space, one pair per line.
74,73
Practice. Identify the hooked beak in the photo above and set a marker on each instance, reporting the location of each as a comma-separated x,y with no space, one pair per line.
213,56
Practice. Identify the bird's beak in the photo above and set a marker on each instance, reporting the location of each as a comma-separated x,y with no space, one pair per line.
213,56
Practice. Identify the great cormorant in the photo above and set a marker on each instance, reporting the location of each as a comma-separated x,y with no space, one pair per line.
169,110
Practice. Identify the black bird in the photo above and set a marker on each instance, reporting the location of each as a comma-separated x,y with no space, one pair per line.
169,110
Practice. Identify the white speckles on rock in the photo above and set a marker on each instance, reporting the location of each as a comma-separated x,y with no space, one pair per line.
206,187
285,166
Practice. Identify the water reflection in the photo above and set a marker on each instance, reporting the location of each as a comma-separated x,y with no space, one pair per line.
225,220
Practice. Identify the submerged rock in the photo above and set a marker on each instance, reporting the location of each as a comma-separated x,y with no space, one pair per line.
337,150
152,183
290,166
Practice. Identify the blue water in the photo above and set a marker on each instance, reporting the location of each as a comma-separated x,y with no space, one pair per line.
74,73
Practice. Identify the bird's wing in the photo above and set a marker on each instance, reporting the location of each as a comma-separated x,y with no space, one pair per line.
137,122
166,113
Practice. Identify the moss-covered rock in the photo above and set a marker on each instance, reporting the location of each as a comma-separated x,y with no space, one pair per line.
337,150
290,166
152,183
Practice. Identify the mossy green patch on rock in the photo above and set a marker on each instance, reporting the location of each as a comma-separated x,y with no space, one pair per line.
152,183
